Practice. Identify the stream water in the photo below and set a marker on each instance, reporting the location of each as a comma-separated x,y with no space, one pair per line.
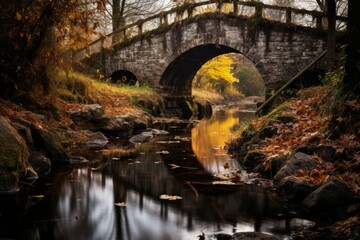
119,197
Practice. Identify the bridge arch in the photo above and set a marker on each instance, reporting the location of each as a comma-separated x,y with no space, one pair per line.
123,76
179,74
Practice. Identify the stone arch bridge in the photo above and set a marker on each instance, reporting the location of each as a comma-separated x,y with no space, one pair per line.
169,48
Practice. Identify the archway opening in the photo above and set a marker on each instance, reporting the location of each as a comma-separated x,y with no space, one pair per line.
123,77
177,81
228,78
178,76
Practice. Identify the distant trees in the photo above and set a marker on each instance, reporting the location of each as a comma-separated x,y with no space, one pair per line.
127,11
231,75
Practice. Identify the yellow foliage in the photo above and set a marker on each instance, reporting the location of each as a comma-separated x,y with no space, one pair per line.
219,68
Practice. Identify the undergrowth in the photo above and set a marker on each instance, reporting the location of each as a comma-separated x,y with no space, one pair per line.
77,88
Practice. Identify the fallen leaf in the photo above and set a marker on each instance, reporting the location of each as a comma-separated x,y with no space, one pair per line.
18,16
38,196
121,204
170,197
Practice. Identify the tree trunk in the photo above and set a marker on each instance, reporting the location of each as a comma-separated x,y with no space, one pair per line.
118,20
351,86
331,37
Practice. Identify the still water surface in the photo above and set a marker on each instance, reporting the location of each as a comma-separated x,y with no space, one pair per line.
119,198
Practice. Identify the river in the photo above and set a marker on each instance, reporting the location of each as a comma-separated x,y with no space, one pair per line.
119,197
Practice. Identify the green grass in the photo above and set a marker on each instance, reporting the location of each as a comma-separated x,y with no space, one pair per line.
75,87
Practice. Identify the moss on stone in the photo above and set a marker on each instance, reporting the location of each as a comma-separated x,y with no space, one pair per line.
14,155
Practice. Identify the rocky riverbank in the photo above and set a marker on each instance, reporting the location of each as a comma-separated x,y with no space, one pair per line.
315,169
38,136
31,142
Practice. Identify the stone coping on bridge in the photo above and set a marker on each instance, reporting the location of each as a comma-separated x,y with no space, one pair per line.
249,9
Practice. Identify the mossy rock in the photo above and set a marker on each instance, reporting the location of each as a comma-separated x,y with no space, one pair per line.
14,155
56,142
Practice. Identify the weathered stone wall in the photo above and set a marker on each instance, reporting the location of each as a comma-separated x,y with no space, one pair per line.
278,50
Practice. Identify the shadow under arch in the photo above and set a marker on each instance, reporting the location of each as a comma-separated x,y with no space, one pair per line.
178,76
123,76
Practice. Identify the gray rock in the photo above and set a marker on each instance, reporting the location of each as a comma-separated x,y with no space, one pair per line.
56,142
298,161
13,157
327,152
96,141
119,123
253,159
40,163
295,189
140,123
74,160
331,195
159,132
141,138
276,164
87,113
252,236
87,117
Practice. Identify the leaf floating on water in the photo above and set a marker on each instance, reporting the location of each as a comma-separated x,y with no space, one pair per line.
173,166
170,197
121,204
184,139
163,152
227,165
222,183
38,196
167,142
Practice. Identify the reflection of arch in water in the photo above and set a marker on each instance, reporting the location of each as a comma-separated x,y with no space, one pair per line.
209,138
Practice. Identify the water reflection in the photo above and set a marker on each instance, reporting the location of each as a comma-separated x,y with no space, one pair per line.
79,202
210,135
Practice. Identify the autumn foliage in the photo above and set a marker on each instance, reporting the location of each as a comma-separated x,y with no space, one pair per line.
34,33
308,126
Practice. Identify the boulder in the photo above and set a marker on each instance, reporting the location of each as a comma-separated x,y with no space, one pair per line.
13,157
96,141
267,132
296,162
332,195
87,113
252,236
115,124
140,123
295,189
40,163
56,142
144,137
87,117
159,132
276,164
253,159
327,152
